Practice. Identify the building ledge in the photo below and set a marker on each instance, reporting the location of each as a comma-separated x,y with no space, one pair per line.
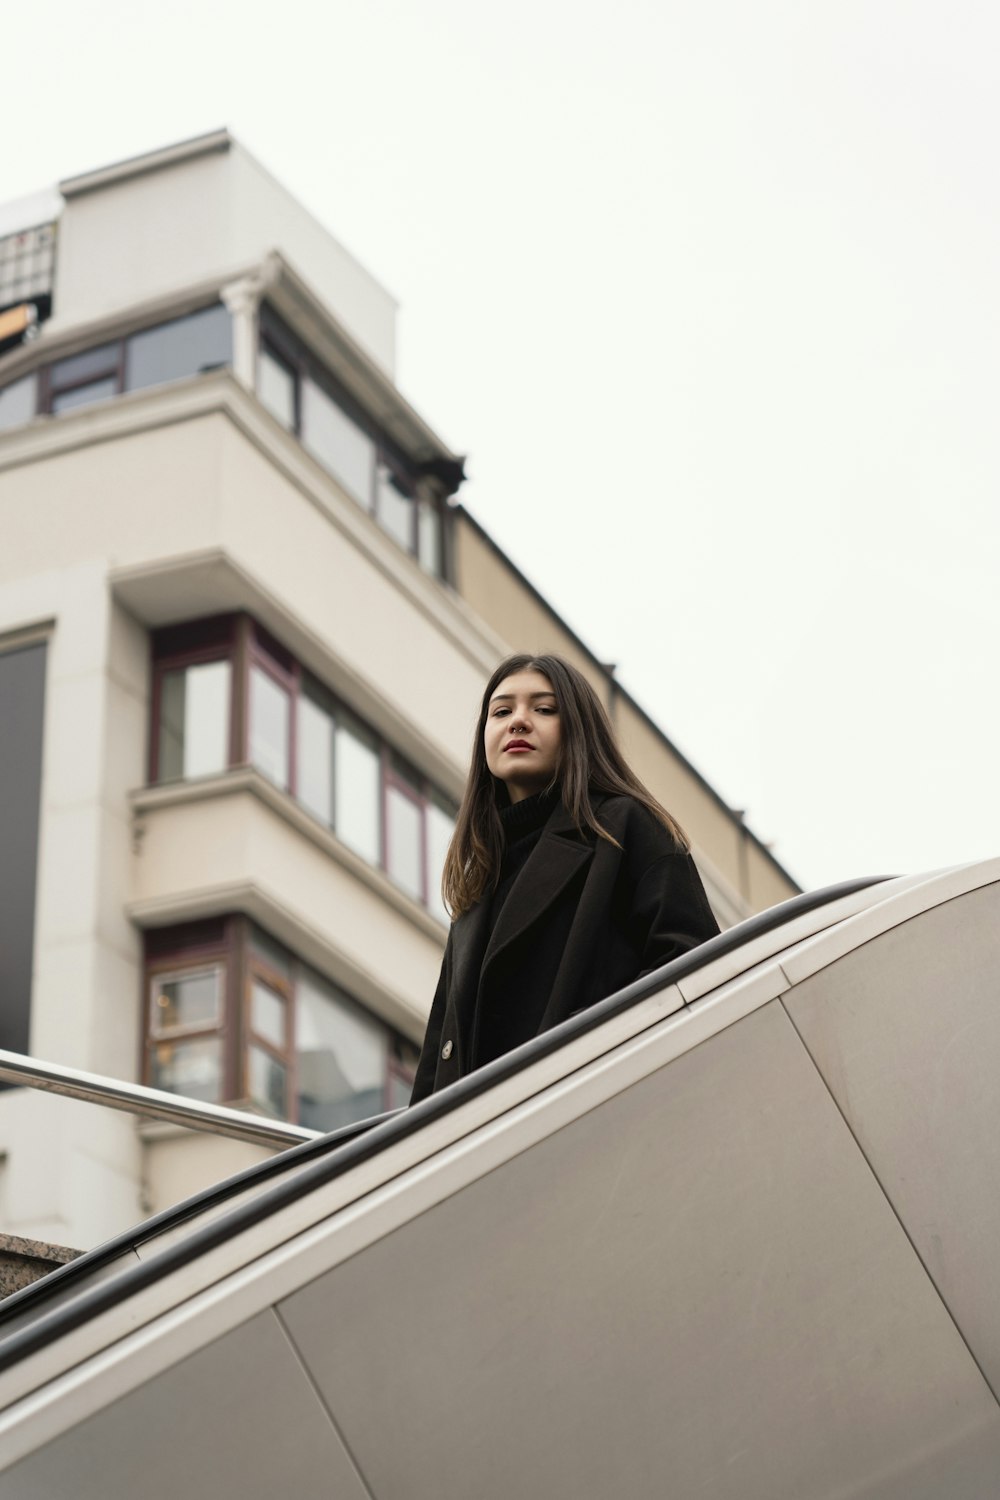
248,779
250,878
24,1261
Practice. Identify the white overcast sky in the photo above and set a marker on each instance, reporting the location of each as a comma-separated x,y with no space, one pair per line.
708,292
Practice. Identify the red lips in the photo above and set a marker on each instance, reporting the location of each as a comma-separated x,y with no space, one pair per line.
518,745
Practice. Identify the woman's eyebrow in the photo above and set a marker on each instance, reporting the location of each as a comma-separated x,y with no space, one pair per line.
509,697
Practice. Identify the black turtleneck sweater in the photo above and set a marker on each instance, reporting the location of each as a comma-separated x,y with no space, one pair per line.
522,825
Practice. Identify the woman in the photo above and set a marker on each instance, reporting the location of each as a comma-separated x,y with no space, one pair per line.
565,878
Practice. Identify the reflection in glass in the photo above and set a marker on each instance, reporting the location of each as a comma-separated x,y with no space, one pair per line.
394,509
17,402
273,953
194,721
341,1057
86,395
183,1001
267,1014
79,367
270,712
276,387
440,827
314,753
356,816
338,443
191,1067
182,347
403,845
267,1081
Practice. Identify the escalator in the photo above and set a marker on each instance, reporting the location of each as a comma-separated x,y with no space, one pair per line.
729,1233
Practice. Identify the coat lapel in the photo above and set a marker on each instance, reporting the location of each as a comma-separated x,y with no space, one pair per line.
559,854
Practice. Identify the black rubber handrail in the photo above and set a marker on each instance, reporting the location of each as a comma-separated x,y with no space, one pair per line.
369,1138
54,1282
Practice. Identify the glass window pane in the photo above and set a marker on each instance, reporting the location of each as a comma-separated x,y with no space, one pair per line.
267,1083
440,827
191,1067
394,510
183,347
86,395
338,443
267,1014
270,715
358,782
276,388
183,1001
341,1056
314,750
429,537
403,843
17,402
273,954
93,362
194,721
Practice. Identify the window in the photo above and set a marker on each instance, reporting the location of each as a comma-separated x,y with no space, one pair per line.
185,346
430,549
282,1037
317,728
225,693
22,711
276,387
394,508
85,378
338,443
307,400
185,1015
17,402
194,721
270,725
404,841
358,793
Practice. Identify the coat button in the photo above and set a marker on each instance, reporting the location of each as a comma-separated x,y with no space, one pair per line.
446,1050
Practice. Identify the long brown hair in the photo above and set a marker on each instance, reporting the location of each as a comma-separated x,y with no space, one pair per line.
589,762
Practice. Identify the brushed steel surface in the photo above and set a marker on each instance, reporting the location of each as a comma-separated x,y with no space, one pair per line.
149,1104
236,1421
695,1289
906,1032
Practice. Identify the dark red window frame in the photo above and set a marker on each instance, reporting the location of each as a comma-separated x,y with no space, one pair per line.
239,639
229,940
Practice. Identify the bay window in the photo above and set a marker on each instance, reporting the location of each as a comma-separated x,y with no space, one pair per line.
225,693
184,346
231,1015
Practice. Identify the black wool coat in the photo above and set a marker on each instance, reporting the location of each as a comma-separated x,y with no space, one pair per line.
583,919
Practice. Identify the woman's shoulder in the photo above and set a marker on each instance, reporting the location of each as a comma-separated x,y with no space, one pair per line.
640,832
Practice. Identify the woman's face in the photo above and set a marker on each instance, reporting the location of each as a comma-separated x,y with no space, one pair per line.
522,734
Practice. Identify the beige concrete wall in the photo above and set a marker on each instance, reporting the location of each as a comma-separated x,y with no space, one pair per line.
179,1163
200,219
